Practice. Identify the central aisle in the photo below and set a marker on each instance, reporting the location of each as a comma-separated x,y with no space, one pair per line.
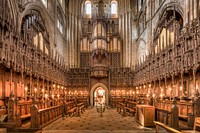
90,121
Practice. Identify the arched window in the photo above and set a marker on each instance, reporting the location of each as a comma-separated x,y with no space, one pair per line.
45,3
33,22
60,21
59,25
88,7
114,7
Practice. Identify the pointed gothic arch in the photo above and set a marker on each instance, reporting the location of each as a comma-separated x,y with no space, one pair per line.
43,14
141,50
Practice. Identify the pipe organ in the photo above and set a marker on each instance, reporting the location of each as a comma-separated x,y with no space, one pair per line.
100,43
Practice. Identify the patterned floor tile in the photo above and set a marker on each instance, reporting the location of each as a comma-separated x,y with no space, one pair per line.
91,122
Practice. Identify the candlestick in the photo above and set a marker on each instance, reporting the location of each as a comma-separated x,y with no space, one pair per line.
170,89
25,93
35,92
42,93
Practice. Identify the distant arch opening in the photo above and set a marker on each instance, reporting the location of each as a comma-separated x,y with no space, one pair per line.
98,93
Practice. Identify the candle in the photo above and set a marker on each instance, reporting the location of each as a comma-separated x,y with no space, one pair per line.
25,93
35,92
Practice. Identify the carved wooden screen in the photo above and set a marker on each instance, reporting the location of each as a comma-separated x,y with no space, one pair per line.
34,32
84,61
9,88
165,32
115,59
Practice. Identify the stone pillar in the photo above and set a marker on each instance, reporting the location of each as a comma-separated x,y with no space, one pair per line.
174,115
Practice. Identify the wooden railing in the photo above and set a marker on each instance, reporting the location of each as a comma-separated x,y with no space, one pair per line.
70,107
24,108
121,108
43,117
83,100
81,108
115,100
131,107
167,128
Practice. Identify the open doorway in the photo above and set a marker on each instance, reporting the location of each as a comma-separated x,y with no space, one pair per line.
95,88
99,96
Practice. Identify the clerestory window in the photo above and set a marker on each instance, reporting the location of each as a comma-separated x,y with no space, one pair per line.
88,7
114,7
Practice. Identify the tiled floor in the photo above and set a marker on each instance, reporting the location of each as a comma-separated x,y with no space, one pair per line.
90,121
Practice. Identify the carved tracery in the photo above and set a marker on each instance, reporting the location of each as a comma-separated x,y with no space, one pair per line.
34,31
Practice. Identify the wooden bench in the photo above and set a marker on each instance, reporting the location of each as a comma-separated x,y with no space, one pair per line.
82,108
23,119
130,110
196,124
70,107
163,115
3,130
25,116
130,107
3,118
72,111
84,101
185,108
167,128
120,107
40,118
115,100
185,117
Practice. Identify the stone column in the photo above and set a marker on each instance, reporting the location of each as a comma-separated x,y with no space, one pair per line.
70,40
75,41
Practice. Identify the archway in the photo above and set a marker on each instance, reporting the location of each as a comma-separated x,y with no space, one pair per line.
96,87
99,96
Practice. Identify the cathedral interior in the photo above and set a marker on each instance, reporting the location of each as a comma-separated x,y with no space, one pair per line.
84,66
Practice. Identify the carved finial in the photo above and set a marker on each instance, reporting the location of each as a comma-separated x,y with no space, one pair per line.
174,100
34,100
196,93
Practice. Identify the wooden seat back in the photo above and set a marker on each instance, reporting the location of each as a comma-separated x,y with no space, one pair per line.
196,123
